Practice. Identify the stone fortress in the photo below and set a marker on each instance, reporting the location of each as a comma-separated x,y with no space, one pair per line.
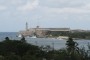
43,32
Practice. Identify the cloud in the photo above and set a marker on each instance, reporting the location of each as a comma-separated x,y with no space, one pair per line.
64,3
87,6
66,10
2,7
15,2
29,6
67,6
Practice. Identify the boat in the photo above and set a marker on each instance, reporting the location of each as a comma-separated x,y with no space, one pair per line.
62,37
28,36
31,37
19,35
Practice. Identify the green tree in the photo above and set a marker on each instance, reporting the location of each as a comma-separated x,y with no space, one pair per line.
1,57
23,39
72,50
7,38
12,57
71,45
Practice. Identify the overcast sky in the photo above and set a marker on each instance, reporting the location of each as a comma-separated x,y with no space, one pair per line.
74,14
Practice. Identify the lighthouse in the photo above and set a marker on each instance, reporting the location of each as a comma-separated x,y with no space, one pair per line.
26,26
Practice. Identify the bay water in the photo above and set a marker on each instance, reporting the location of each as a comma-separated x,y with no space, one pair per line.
52,42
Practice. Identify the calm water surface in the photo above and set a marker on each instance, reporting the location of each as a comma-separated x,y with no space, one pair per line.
58,44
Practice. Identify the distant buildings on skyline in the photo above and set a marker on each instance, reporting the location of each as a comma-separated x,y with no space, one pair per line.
44,32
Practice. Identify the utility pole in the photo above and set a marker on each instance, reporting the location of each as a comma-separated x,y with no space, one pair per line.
53,45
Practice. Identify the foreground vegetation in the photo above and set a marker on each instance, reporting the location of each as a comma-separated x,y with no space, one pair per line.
21,50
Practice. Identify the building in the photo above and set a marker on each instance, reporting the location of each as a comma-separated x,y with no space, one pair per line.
45,32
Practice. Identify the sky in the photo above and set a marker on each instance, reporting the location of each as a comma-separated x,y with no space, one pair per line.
14,14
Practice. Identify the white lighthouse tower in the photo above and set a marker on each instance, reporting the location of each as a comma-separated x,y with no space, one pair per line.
26,26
